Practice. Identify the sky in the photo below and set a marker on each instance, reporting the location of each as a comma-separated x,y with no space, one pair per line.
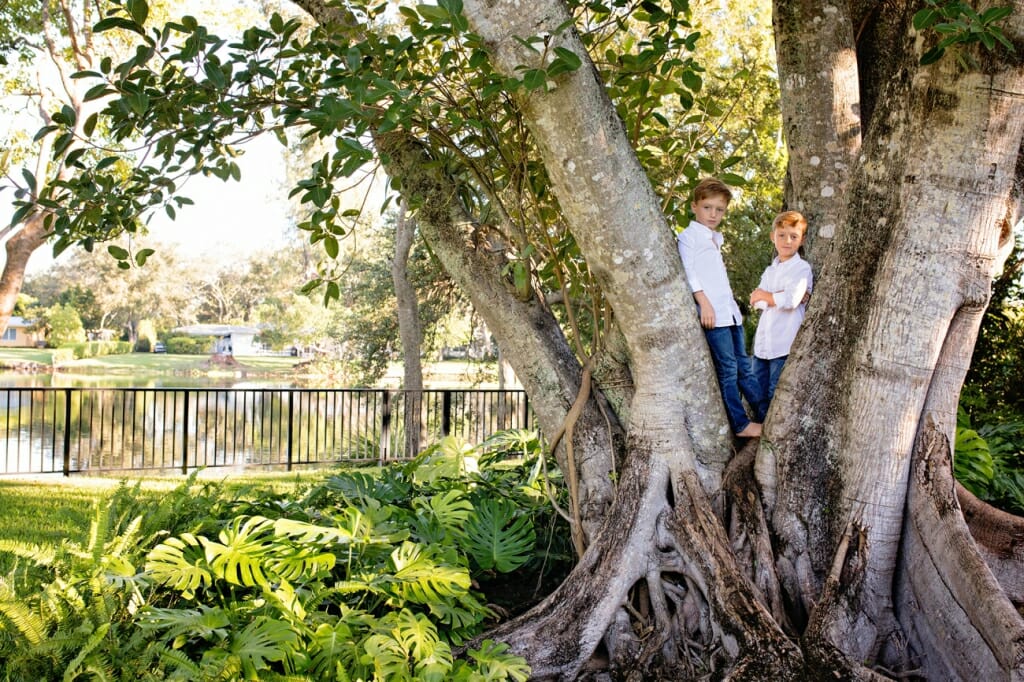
229,219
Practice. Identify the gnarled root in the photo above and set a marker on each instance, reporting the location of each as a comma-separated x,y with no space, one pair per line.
949,603
1000,540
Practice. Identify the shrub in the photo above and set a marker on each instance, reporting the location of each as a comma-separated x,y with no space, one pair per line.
369,575
189,345
95,349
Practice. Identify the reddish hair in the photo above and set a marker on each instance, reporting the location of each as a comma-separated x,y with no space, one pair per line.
790,219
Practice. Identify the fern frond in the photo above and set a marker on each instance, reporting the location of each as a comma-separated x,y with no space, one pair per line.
26,621
72,669
37,554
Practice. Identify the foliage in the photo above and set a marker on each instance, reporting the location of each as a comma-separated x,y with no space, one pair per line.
95,349
987,462
189,345
367,575
65,326
960,24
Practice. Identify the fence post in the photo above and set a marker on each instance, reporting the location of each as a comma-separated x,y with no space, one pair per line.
291,409
526,410
67,432
184,437
446,412
385,425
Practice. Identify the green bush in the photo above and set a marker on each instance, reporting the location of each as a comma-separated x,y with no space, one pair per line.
189,345
95,349
61,356
368,575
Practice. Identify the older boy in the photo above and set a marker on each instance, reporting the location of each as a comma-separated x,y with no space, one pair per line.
700,248
781,294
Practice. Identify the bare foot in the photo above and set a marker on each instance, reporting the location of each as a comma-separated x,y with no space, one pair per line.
753,430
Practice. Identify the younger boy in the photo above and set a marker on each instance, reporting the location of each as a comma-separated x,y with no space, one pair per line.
781,295
700,248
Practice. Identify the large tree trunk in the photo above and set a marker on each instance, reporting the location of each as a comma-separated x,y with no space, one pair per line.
887,341
840,569
19,247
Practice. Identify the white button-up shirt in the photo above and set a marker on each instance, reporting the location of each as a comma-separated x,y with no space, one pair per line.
787,281
701,250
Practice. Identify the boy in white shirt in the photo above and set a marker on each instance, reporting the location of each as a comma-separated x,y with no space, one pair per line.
780,295
700,248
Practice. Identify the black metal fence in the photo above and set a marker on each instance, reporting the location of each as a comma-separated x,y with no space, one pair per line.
82,430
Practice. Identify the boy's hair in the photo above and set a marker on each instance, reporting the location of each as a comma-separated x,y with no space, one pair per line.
711,187
790,219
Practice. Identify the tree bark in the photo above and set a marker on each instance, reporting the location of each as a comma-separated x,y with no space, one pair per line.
883,346
409,330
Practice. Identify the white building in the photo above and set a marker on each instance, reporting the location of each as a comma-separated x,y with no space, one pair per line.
229,339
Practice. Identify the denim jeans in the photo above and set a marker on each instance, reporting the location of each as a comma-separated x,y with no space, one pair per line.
735,376
767,373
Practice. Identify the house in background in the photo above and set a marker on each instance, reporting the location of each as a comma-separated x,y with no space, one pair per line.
229,339
20,335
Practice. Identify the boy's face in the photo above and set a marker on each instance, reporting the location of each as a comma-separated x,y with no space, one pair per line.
710,210
787,240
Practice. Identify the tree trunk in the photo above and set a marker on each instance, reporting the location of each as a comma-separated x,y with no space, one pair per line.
19,247
865,573
410,331
528,334
887,339
820,102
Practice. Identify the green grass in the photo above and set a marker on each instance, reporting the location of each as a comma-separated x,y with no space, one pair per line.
46,512
152,363
43,356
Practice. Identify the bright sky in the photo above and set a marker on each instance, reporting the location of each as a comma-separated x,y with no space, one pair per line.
229,220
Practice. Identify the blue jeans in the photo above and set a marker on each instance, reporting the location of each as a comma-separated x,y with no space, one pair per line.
735,377
767,373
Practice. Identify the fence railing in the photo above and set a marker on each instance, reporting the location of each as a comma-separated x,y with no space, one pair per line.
82,430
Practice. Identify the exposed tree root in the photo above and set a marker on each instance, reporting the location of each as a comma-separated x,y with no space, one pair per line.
742,513
949,603
1000,540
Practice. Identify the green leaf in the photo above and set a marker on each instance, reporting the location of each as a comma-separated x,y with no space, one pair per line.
497,538
534,79
925,18
117,22
570,58
141,256
692,81
179,564
139,10
118,252
331,246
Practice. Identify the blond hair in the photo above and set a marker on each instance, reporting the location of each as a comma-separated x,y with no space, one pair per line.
709,187
790,219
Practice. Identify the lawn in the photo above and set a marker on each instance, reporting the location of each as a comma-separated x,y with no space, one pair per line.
47,511
151,363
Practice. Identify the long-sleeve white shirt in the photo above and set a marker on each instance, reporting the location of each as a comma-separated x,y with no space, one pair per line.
787,281
701,251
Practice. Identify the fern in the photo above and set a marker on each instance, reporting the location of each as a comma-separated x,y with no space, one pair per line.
37,554
25,620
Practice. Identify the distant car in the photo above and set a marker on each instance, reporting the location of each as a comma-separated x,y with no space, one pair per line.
159,347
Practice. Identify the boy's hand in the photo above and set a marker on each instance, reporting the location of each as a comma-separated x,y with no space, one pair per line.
707,311
762,295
